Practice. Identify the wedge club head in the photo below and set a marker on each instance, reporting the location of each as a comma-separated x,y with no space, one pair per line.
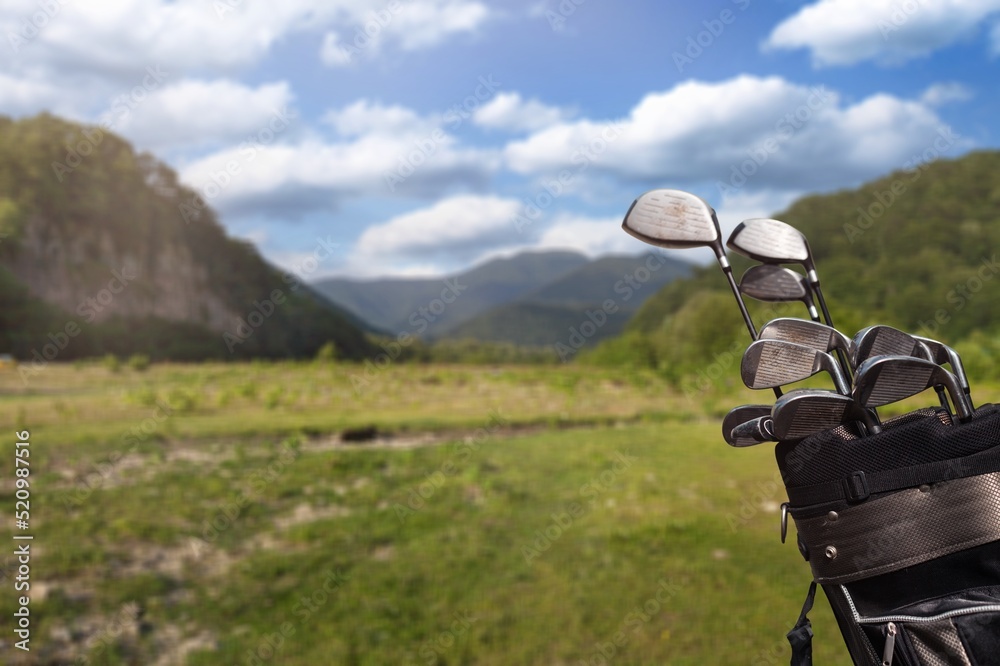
881,340
804,412
769,363
885,379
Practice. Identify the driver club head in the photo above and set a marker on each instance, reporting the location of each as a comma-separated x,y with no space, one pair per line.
804,412
673,219
771,363
885,379
776,284
677,219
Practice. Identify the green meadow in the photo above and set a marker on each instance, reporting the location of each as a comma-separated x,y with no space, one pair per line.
308,513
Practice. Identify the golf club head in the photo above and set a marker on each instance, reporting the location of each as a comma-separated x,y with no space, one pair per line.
771,242
804,412
885,379
942,353
752,432
677,219
771,363
810,333
673,219
883,340
776,284
739,415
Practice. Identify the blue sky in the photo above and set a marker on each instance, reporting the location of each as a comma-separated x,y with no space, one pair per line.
421,136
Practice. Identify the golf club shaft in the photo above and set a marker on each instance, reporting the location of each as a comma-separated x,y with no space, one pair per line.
720,254
814,282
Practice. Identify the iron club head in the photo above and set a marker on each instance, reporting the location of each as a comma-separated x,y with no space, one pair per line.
885,379
769,363
804,332
801,413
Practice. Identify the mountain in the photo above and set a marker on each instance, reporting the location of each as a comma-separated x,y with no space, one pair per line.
428,306
104,251
916,249
588,304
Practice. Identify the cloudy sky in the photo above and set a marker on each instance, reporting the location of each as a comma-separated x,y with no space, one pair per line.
421,136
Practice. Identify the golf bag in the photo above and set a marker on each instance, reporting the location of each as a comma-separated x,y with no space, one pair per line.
902,532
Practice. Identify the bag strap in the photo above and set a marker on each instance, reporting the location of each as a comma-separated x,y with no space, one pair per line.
859,485
801,635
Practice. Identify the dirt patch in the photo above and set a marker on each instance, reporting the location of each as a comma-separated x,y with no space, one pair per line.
307,513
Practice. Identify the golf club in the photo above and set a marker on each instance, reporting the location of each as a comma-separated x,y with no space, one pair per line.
776,242
804,412
776,284
769,363
885,379
810,333
680,220
881,340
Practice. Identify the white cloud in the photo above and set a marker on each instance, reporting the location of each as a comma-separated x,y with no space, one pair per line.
413,25
766,131
939,94
593,237
845,32
93,49
192,113
316,175
367,117
452,224
448,235
508,111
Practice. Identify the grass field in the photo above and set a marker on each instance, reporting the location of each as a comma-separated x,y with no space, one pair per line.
212,514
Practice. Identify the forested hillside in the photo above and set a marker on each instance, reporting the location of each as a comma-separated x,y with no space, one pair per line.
105,251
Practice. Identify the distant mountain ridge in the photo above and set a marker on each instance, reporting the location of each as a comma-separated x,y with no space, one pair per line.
397,305
533,299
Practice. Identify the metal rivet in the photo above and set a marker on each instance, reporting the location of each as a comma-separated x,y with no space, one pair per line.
831,553
925,488
832,516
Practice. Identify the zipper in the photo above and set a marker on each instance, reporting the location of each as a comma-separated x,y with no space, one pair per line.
890,644
958,612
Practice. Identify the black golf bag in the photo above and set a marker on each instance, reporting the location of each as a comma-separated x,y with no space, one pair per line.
902,531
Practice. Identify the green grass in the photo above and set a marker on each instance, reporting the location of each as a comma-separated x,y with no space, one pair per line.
534,541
